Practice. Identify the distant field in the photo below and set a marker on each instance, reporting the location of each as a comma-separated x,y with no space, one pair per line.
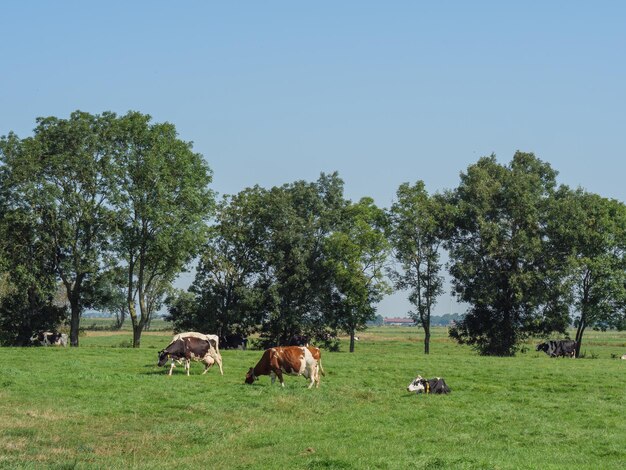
105,405
107,323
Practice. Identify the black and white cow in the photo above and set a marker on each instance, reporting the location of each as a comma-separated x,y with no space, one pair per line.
212,339
422,385
558,348
49,338
187,348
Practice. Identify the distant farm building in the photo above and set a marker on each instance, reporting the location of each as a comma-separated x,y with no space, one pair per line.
398,322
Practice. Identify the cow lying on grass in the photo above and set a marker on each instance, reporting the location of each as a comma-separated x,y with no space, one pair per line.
422,385
185,349
558,348
49,338
292,360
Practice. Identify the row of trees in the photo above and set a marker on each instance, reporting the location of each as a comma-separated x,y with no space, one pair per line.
113,208
527,256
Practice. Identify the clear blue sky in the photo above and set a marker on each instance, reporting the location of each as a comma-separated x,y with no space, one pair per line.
383,92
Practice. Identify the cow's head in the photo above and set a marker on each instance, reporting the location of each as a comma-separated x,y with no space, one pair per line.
163,357
250,377
418,385
542,347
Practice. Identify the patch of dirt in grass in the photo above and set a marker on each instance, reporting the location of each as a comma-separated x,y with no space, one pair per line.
45,415
13,445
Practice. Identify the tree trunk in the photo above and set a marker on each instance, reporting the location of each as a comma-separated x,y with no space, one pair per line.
120,316
74,324
579,335
426,339
138,326
352,340
132,313
73,295
137,334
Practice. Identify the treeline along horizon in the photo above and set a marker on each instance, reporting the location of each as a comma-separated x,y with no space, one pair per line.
104,211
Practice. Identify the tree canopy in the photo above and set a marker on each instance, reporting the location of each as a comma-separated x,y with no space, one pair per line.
162,203
497,251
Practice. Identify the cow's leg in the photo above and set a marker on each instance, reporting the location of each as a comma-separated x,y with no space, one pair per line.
218,358
187,366
278,373
208,362
317,375
312,376
171,367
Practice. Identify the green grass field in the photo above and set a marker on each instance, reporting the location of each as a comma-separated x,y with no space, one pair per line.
104,405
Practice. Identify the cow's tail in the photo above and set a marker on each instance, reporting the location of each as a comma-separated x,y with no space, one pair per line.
319,364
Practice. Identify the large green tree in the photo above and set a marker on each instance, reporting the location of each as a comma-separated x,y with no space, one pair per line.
416,236
162,202
498,254
263,267
588,234
298,217
356,255
60,178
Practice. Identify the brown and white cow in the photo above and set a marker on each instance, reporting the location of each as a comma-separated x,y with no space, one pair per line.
213,339
186,349
49,338
292,360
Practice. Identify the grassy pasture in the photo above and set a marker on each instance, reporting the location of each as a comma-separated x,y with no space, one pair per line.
104,405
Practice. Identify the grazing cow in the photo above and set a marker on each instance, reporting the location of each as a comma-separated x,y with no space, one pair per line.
212,339
422,385
298,340
185,349
557,348
234,341
49,338
292,360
